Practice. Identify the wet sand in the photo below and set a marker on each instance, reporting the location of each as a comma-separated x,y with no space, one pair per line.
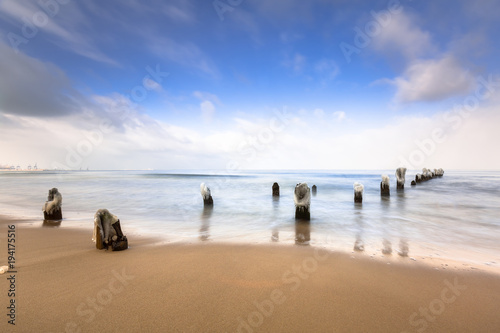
64,284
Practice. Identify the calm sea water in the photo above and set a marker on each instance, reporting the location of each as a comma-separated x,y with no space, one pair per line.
456,216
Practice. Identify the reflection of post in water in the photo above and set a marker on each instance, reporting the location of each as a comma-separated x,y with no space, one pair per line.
205,222
385,223
51,223
403,248
403,242
302,232
359,244
400,199
275,235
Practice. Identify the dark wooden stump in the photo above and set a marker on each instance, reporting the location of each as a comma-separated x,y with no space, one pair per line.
51,223
384,189
209,201
302,213
120,245
57,215
276,190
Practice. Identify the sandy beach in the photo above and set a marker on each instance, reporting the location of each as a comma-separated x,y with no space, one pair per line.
64,284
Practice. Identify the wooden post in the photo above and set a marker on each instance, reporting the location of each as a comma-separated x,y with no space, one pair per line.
384,186
358,192
302,199
276,190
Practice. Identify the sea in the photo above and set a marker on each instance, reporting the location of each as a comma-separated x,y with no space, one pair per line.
456,216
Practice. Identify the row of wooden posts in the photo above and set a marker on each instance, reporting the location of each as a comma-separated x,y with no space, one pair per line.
302,193
107,226
52,209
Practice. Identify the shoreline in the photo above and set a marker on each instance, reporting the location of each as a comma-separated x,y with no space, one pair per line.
419,253
64,284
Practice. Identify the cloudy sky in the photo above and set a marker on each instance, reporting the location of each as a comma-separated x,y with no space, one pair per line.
250,84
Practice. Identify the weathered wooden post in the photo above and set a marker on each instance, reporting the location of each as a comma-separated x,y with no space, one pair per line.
400,176
207,196
384,186
107,231
52,210
358,192
276,190
418,178
302,199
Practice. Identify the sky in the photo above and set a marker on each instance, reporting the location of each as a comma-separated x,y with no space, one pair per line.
235,85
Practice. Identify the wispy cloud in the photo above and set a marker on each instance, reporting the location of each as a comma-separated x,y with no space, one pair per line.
296,62
339,116
31,87
207,105
180,10
207,110
327,69
428,75
183,53
76,74
433,80
202,95
287,37
66,26
402,37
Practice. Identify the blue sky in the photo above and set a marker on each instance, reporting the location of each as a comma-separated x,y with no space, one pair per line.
236,85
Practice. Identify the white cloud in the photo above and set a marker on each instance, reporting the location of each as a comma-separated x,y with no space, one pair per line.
302,143
319,113
302,112
314,144
207,110
403,37
207,105
108,139
339,116
206,96
428,75
432,80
